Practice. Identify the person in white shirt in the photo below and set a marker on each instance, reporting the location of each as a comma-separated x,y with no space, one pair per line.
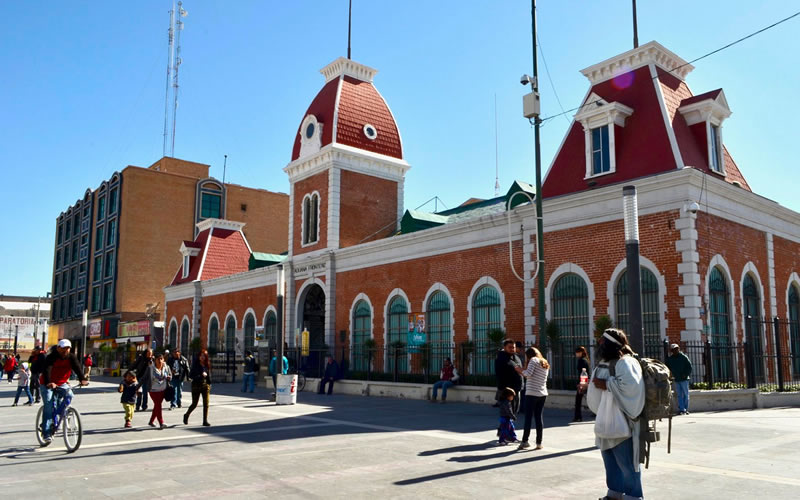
535,394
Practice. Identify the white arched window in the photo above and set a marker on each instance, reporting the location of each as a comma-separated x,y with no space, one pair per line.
311,218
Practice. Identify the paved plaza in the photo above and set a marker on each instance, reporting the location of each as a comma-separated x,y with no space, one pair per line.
356,447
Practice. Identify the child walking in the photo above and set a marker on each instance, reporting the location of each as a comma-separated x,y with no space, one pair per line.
128,388
22,384
507,416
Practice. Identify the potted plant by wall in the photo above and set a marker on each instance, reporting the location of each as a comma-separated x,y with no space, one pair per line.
601,324
195,345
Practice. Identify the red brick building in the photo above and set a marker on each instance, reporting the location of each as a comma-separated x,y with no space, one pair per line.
717,259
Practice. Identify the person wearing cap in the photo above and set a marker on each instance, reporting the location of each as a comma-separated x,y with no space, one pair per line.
22,384
59,364
681,368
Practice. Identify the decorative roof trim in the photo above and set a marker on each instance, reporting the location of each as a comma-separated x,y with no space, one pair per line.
348,67
188,250
598,112
712,109
347,158
649,53
219,224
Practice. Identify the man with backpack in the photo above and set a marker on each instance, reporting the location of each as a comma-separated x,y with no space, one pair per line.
681,368
619,377
36,364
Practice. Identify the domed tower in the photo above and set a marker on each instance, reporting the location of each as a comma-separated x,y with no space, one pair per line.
347,169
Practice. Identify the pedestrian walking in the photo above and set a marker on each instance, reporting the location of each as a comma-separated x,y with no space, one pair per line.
22,384
201,385
535,395
249,375
506,429
505,369
447,378
581,364
627,392
158,378
35,364
179,366
681,368
273,370
331,373
87,366
129,388
141,366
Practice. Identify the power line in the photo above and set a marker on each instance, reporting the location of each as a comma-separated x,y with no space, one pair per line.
690,62
552,86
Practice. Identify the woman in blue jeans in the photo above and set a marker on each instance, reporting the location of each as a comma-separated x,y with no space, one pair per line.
620,455
447,378
535,394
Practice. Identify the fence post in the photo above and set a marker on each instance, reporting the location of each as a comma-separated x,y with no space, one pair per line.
666,350
394,375
749,364
708,362
369,363
777,327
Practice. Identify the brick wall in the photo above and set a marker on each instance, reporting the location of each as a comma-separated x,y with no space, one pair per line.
787,261
257,298
265,213
176,309
368,208
317,183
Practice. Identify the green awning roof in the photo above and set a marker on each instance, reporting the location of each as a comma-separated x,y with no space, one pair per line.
260,259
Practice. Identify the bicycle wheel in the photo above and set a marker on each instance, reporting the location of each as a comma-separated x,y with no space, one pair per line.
73,430
301,382
39,435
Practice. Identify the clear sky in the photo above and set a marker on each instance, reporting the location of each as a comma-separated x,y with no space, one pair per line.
82,92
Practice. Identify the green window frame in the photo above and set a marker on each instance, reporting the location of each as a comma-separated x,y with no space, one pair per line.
271,329
362,330
439,332
112,201
185,336
651,317
109,265
97,271
486,316
213,334
230,334
74,251
101,207
752,324
794,328
210,205
570,303
249,331
108,296
112,232
95,298
173,333
398,332
98,239
720,317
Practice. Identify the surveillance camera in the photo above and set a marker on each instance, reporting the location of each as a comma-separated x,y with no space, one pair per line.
525,79
693,207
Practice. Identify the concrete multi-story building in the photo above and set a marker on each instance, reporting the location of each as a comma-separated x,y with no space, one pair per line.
114,247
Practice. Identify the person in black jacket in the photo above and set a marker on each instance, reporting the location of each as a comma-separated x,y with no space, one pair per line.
179,366
141,366
36,364
201,385
331,372
581,363
505,370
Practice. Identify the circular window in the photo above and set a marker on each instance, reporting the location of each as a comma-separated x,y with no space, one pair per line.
310,131
370,132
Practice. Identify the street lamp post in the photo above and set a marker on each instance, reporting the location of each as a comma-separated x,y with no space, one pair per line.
16,335
631,217
280,325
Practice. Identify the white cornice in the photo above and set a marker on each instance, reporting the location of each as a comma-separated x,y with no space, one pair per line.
178,292
348,67
597,113
715,110
649,53
189,251
219,224
347,158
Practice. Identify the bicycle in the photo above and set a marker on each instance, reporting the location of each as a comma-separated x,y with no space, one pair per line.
62,412
301,378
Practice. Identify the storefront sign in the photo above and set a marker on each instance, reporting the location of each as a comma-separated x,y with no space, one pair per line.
23,328
134,329
95,328
416,332
309,268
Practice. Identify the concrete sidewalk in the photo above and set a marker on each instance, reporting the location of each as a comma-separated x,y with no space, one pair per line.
357,447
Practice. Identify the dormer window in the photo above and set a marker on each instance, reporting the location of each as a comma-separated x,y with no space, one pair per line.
310,135
310,218
599,119
716,149
185,273
188,250
708,111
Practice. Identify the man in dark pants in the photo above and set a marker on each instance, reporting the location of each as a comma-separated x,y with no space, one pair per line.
505,370
36,364
331,372
142,364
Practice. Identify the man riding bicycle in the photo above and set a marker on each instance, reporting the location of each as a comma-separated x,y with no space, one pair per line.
58,366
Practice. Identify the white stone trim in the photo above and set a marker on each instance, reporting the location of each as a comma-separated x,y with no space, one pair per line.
750,268
218,224
662,292
481,282
794,279
230,313
205,253
330,300
649,53
673,142
529,250
266,313
394,293
566,268
719,261
773,292
336,109
689,288
343,66
301,297
290,242
208,329
720,152
595,113
439,287
334,204
312,145
310,197
252,311
347,158
351,330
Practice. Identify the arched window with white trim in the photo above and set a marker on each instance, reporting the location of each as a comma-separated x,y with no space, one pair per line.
437,326
271,329
651,323
249,332
397,334
751,308
362,331
310,218
794,328
213,334
570,304
185,336
173,333
719,309
230,334
486,316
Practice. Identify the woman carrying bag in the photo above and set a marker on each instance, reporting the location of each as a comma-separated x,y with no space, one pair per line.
201,385
159,376
617,400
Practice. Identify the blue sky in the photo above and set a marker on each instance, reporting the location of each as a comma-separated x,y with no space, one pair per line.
82,91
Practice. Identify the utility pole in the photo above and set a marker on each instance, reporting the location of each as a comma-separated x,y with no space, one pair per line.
16,336
630,213
280,326
538,155
635,27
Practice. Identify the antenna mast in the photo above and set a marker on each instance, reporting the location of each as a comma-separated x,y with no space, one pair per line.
349,24
171,32
178,29
496,156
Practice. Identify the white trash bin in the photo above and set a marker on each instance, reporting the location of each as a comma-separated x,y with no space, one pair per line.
286,392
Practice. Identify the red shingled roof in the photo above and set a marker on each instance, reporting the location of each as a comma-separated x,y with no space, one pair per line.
223,252
359,103
702,97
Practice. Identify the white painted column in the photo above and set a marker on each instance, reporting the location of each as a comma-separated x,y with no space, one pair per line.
288,304
197,306
334,197
687,269
330,300
773,292
291,218
400,201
